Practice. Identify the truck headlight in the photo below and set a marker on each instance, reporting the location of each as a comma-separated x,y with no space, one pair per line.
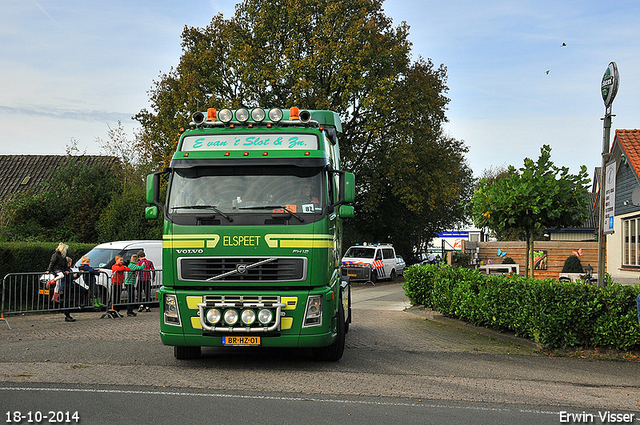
313,312
225,115
171,310
275,115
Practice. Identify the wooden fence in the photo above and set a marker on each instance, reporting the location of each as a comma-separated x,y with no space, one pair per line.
551,254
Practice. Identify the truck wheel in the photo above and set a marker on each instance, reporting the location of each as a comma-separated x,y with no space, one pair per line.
186,353
333,352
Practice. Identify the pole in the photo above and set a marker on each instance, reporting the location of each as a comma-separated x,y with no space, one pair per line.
602,240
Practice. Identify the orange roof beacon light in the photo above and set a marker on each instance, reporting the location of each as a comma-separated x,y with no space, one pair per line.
294,113
212,114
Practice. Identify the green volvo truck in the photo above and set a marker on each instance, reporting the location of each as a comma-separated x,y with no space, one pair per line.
252,233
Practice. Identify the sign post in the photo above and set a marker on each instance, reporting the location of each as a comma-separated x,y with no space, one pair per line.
609,89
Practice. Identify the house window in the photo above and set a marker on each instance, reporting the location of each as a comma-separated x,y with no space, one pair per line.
630,246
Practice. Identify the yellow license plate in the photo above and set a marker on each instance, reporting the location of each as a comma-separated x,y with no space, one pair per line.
353,275
241,340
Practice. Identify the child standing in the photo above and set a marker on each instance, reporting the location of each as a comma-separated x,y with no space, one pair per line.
117,279
130,284
89,274
145,277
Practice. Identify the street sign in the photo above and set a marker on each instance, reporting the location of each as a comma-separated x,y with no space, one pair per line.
610,198
610,82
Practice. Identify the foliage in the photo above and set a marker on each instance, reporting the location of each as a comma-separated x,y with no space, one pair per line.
508,260
461,259
27,257
67,207
572,265
343,56
123,218
554,314
538,195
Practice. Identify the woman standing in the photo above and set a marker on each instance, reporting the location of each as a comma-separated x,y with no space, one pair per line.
57,266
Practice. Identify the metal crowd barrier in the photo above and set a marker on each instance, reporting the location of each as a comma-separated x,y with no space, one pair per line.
24,293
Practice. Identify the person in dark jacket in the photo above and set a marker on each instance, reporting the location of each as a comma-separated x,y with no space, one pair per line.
57,266
89,275
68,291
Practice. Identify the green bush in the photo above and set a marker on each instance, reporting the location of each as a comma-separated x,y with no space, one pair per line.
508,260
554,314
26,257
572,265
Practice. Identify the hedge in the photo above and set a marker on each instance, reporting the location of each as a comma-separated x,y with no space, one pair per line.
554,314
25,257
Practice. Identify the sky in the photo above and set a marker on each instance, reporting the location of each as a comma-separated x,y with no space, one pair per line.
71,69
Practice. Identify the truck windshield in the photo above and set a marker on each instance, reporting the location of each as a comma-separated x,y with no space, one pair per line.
247,190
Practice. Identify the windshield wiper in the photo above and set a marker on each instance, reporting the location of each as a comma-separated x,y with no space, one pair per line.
273,207
203,207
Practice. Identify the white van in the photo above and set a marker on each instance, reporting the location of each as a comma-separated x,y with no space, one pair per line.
103,256
370,262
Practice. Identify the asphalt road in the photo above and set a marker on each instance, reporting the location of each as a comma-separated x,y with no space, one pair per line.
399,357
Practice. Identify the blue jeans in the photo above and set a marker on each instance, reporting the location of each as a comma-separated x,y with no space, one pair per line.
638,302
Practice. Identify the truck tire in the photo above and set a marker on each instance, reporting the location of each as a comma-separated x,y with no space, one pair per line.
333,352
186,353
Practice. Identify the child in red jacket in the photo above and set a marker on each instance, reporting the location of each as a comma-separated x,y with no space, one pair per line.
117,279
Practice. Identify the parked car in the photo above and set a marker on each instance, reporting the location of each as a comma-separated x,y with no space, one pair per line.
400,265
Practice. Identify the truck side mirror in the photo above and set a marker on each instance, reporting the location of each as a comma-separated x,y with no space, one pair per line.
151,212
349,187
345,211
152,182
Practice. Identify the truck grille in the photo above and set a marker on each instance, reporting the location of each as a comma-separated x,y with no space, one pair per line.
242,269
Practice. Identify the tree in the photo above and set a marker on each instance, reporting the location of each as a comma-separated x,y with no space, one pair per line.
537,195
344,56
123,217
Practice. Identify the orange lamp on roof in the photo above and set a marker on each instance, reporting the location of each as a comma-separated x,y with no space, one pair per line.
212,114
294,113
